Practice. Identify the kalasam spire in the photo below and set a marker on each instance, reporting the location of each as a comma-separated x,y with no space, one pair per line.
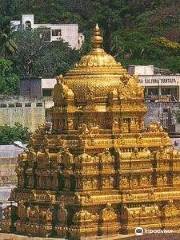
97,38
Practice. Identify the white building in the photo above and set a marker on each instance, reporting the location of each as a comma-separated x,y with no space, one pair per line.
54,32
141,70
157,86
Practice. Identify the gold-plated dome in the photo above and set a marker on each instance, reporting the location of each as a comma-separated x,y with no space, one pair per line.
97,57
97,74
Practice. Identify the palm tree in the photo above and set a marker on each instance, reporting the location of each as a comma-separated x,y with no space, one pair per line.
7,44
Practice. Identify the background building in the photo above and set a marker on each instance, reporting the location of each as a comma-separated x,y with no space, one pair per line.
37,87
53,32
36,97
159,84
162,94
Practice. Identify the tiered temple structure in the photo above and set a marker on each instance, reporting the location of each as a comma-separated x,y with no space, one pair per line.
97,171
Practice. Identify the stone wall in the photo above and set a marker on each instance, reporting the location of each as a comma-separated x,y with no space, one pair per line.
28,113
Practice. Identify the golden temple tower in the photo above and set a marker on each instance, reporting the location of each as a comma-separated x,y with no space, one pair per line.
98,171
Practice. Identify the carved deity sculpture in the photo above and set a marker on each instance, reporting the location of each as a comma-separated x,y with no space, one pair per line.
49,216
124,183
125,126
143,213
83,129
67,158
108,214
160,180
144,181
135,182
94,183
165,179
70,124
133,125
115,124
107,182
105,157
22,211
170,210
176,179
62,215
87,184
33,213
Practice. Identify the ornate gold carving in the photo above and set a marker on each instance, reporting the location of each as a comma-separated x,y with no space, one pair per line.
96,153
108,214
84,216
33,213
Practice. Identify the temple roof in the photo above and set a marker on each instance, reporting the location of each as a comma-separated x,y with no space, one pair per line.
97,59
98,74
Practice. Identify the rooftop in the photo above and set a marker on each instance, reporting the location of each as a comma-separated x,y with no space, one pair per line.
10,151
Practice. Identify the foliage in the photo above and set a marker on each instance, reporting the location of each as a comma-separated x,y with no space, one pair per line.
58,58
164,42
137,48
135,31
10,134
35,56
8,46
9,81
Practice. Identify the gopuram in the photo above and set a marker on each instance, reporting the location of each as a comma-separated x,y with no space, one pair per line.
97,171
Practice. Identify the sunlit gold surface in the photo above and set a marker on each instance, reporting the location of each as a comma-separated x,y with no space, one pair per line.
97,171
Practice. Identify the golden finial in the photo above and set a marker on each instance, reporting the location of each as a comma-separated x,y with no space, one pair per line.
97,39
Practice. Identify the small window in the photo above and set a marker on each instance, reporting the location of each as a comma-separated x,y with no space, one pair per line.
47,92
27,104
38,104
56,32
11,105
165,110
44,33
28,25
3,105
18,104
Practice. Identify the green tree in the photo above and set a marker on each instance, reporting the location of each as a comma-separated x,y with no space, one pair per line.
37,57
58,58
16,133
135,47
139,20
6,7
8,46
106,13
9,81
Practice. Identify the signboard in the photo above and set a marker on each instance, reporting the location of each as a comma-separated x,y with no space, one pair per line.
159,80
